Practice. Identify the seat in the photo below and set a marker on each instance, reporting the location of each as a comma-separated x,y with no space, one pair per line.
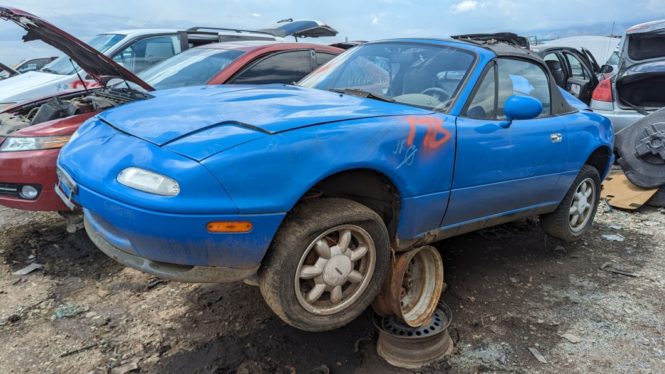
557,71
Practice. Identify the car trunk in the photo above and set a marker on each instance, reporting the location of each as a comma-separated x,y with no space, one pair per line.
642,76
643,90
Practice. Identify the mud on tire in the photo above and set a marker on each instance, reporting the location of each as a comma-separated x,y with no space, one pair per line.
312,254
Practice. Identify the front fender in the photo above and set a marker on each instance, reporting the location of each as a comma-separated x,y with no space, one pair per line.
271,174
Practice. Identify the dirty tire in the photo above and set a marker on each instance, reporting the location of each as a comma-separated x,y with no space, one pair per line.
557,224
307,221
658,200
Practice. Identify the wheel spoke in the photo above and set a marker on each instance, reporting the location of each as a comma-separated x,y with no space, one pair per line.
323,249
344,240
588,193
309,272
574,220
315,293
572,209
355,277
336,294
359,253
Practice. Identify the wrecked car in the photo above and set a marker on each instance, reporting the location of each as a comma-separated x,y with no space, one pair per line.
136,50
32,134
636,88
311,187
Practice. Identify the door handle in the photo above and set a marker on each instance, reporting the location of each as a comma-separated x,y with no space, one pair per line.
556,137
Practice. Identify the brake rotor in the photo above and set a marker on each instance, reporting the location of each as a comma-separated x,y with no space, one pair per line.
413,287
408,347
641,149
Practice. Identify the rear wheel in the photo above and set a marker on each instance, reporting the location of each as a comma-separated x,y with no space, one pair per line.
326,265
574,216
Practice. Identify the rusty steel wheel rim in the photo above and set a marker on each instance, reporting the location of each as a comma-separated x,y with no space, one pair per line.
335,270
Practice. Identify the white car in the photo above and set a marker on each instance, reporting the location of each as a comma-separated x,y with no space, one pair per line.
137,50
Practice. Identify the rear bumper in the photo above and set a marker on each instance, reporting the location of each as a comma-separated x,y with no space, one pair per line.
35,168
620,118
179,273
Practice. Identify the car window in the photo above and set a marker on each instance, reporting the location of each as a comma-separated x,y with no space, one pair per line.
483,104
644,46
614,59
147,52
426,76
322,58
193,67
284,67
518,77
577,69
64,66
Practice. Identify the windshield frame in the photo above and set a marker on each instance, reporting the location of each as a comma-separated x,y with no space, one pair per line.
451,44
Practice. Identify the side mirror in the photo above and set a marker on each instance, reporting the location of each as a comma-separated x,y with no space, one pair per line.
606,69
521,107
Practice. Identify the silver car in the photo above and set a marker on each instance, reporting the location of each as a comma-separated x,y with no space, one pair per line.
635,88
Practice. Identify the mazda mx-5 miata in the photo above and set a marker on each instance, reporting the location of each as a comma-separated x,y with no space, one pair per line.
389,146
32,133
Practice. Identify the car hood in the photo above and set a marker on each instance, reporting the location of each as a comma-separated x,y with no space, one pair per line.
20,87
181,118
89,59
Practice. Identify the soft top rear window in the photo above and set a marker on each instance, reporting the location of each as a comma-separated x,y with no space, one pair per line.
646,46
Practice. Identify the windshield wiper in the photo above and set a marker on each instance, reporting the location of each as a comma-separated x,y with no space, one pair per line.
47,70
362,93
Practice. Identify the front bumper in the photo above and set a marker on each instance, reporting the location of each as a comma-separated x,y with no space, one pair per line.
35,168
178,239
179,273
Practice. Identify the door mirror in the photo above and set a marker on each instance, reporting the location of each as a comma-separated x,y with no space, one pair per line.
522,107
606,69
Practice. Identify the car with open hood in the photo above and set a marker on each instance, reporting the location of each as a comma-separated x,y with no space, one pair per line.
635,89
31,134
136,50
311,187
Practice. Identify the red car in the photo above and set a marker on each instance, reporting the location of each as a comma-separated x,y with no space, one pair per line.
31,134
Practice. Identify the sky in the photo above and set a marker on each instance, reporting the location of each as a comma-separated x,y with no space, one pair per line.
354,19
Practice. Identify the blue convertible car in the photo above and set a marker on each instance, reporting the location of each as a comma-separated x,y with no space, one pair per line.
390,146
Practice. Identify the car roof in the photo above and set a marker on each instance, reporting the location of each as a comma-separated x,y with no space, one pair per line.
251,45
139,32
647,27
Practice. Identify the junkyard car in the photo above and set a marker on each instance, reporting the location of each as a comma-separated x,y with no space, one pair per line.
136,50
32,134
33,64
391,145
636,88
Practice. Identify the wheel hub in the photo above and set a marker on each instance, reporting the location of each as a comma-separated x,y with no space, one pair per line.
337,270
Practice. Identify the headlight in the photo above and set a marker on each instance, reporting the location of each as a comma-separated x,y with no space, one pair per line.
13,144
148,181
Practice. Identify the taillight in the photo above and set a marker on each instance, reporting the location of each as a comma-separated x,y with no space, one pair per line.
603,91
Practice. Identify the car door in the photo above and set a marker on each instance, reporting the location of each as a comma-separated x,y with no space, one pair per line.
506,167
581,78
281,67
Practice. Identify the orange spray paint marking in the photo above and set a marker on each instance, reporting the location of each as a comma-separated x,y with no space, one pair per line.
435,137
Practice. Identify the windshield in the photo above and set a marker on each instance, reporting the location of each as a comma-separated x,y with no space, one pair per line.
426,76
63,66
190,68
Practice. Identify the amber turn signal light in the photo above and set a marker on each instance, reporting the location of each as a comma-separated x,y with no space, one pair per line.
230,227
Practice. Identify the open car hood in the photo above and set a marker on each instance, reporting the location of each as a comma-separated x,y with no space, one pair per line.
301,29
499,37
93,62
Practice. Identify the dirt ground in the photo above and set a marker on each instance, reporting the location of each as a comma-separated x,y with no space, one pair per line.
510,289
